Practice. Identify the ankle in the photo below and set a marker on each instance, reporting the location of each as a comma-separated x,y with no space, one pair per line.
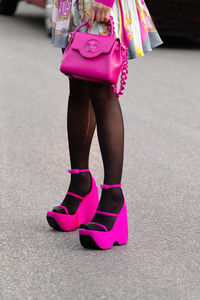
81,177
111,200
114,193
80,183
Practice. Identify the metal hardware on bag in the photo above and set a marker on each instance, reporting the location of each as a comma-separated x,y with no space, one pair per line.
124,47
69,37
123,51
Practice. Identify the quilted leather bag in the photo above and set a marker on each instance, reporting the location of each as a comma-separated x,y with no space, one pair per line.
96,57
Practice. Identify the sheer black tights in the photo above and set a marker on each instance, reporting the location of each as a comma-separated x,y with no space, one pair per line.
89,104
81,124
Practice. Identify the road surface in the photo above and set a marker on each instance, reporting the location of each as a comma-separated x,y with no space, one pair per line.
161,175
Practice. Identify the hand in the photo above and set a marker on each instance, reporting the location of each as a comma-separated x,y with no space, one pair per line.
99,13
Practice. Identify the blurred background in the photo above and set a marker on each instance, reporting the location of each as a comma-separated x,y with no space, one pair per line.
9,8
161,109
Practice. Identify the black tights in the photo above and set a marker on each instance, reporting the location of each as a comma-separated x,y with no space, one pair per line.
92,104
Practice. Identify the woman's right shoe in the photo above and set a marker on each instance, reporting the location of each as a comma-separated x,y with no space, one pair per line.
104,239
85,212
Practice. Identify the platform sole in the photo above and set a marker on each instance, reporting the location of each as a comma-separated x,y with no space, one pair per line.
88,242
52,223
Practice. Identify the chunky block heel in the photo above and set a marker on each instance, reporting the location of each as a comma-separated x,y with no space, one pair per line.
84,213
103,240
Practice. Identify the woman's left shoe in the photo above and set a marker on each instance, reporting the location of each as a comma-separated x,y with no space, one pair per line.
104,239
84,213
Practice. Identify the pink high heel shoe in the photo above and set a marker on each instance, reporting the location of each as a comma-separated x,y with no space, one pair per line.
103,240
84,213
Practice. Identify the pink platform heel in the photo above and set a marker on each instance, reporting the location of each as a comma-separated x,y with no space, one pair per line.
84,213
103,240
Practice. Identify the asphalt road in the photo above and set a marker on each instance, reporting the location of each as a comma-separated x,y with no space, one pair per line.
161,178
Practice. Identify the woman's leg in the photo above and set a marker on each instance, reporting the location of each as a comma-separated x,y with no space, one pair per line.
81,124
110,130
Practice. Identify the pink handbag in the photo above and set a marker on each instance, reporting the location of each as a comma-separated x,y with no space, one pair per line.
96,57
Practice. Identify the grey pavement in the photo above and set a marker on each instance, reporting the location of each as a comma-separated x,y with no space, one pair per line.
161,175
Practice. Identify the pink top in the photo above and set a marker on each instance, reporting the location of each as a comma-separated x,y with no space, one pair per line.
65,5
107,2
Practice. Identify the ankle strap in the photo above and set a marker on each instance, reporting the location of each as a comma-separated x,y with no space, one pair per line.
77,171
106,186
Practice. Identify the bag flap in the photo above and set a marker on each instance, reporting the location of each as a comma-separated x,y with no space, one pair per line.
89,45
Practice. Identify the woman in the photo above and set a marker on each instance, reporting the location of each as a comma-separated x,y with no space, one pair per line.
103,223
